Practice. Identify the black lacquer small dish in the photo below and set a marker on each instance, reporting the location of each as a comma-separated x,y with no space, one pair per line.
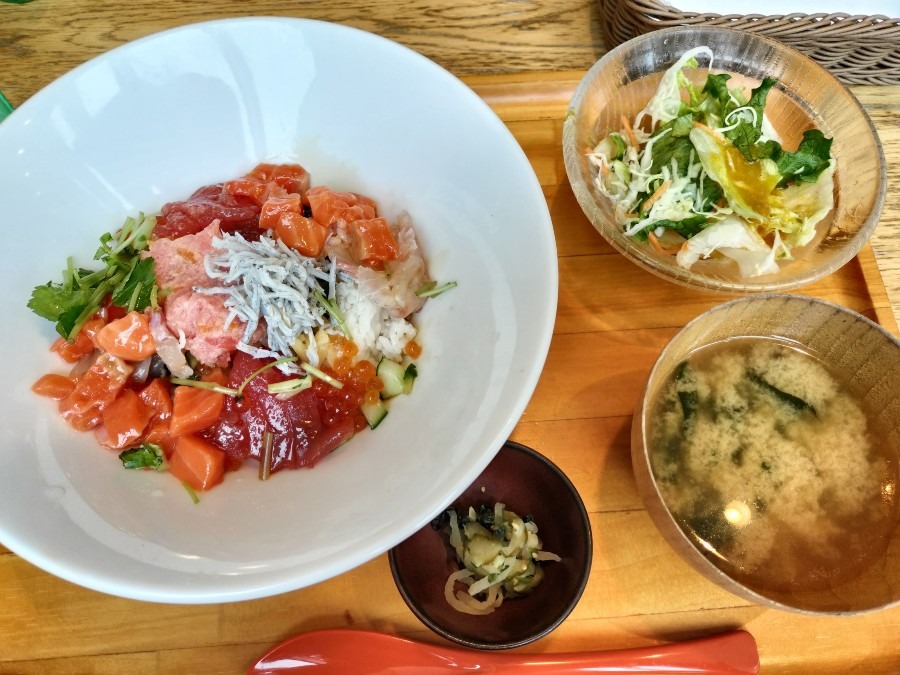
528,484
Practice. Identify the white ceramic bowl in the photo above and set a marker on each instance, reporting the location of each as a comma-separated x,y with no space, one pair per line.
152,120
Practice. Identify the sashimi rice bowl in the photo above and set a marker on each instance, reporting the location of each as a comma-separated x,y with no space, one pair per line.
260,318
263,343
724,161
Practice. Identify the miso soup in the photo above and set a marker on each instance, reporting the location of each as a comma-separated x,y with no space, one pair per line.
768,462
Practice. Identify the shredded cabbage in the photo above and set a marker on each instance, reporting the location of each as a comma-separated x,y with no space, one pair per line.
700,172
735,239
666,102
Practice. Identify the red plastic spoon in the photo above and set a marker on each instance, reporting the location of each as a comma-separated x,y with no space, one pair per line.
351,652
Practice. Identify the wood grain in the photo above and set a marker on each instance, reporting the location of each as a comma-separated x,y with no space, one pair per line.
883,106
46,38
608,332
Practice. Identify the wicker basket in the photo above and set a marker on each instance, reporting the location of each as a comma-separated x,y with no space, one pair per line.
856,49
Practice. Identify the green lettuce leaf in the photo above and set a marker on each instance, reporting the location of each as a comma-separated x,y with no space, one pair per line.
686,227
674,144
811,159
746,134
716,89
710,194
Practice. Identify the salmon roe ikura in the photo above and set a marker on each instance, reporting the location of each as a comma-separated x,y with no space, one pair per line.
413,349
359,380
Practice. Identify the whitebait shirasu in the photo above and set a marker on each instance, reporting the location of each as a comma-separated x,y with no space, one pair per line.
268,280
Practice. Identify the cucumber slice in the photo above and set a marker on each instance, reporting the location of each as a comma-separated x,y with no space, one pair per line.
612,147
374,412
622,171
391,374
409,378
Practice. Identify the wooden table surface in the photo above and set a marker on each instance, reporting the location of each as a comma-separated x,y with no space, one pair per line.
525,58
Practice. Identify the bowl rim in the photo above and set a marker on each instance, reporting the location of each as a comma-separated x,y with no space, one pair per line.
584,517
641,456
687,278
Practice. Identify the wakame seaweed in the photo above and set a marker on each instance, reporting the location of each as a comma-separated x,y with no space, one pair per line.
690,401
790,400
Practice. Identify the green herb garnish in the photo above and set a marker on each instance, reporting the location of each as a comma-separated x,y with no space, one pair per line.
231,391
431,289
332,309
128,279
291,386
325,377
191,493
146,456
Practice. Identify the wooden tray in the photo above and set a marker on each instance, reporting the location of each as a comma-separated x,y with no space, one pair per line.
612,322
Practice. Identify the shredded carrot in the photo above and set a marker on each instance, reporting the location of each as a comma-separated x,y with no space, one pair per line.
626,125
651,200
659,248
632,216
604,169
709,130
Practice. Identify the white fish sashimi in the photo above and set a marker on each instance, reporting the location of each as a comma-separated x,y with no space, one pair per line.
395,288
